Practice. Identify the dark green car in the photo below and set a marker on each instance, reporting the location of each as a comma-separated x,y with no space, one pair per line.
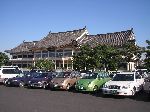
92,82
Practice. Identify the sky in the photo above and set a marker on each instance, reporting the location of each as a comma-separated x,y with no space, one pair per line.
31,20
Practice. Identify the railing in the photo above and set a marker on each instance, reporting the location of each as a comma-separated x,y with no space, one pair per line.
22,59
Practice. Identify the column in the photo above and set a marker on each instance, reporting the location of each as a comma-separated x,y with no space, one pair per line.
63,62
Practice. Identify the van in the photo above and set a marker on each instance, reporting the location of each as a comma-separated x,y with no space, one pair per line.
6,73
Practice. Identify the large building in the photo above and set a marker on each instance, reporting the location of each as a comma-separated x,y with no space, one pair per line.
61,46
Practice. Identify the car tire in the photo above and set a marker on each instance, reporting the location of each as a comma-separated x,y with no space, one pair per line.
44,86
133,91
21,84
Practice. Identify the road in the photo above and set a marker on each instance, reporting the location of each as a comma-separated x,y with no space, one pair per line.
13,99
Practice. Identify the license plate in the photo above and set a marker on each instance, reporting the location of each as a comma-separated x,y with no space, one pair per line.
113,91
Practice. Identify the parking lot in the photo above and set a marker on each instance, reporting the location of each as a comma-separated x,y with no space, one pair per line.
14,99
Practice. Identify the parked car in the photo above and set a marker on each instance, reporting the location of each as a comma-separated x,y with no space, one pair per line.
59,82
92,82
69,82
125,83
146,86
6,73
40,80
20,80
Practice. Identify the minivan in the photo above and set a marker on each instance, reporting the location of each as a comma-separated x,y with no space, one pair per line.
6,73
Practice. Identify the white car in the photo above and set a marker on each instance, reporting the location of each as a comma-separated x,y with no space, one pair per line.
125,83
6,73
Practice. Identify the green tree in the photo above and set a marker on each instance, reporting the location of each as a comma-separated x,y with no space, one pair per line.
130,51
3,59
107,57
99,57
147,59
83,59
44,64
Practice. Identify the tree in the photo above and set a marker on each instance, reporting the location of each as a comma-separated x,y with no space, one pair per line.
3,59
147,59
107,57
130,51
44,64
83,60
99,57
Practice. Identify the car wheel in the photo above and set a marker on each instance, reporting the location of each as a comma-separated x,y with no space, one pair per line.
95,88
5,81
21,84
133,91
68,87
44,86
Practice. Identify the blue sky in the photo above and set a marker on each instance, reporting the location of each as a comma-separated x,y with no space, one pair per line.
31,20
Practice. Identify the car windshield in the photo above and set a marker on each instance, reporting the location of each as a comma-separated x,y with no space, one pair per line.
41,75
90,76
103,75
62,74
123,77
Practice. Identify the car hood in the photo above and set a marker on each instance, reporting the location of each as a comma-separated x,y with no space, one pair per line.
16,78
57,80
84,81
119,83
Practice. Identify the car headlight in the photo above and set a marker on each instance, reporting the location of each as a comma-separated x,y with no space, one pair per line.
125,87
105,86
15,80
39,82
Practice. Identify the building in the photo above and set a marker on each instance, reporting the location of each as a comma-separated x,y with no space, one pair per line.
60,47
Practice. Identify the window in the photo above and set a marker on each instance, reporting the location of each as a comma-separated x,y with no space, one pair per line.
37,55
44,54
14,57
19,56
59,53
67,52
51,54
24,56
30,56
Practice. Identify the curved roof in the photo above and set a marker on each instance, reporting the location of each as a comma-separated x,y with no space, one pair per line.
23,47
60,39
80,37
114,39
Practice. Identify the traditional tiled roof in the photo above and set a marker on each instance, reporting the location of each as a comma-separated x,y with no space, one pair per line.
80,37
23,47
114,39
60,39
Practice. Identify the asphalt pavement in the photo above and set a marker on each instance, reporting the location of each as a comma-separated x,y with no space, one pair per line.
15,99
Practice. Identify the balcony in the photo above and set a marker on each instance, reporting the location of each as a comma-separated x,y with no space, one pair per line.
22,59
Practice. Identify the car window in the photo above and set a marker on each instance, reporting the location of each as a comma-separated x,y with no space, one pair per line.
10,71
123,77
90,76
138,76
42,75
